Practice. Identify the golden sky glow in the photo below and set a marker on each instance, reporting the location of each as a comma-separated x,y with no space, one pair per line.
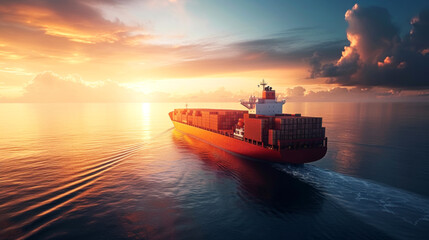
150,47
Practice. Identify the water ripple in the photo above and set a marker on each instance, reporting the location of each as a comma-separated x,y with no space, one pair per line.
45,208
396,212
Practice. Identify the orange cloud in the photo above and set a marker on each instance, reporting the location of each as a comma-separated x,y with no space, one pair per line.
78,21
76,36
387,61
377,55
51,87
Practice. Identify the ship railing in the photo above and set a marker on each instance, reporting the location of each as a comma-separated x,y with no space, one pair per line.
300,144
304,143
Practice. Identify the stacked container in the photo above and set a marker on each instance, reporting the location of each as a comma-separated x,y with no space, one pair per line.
299,128
208,118
256,127
270,130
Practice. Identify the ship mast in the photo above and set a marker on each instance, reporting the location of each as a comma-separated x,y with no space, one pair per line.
263,83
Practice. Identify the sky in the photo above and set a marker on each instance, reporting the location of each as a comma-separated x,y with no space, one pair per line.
199,50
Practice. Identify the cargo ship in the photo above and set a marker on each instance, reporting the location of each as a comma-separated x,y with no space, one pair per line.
262,132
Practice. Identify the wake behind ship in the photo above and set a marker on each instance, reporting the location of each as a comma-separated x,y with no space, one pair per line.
263,132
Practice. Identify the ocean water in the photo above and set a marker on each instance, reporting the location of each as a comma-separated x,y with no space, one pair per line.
120,171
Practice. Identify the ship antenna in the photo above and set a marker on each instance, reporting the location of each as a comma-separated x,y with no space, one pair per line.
263,83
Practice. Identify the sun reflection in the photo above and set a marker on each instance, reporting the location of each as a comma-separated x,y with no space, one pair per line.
146,124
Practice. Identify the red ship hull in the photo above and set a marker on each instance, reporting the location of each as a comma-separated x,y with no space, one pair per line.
295,156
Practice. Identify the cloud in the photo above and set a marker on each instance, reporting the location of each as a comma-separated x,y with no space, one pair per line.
355,94
76,20
85,37
295,92
377,56
50,87
77,36
277,52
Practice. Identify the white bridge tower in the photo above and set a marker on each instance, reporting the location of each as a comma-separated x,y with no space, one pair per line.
267,105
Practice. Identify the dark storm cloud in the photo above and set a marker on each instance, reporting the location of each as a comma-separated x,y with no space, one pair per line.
376,55
289,46
267,53
343,94
418,39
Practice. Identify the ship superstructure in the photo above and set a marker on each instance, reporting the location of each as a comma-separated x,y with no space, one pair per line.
267,105
262,132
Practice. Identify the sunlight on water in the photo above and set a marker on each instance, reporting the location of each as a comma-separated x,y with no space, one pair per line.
146,120
117,171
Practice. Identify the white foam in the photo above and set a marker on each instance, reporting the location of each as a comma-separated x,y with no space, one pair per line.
396,212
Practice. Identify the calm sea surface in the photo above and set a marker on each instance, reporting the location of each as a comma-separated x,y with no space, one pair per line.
120,171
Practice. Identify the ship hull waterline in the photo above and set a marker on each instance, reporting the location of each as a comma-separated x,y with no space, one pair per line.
294,156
